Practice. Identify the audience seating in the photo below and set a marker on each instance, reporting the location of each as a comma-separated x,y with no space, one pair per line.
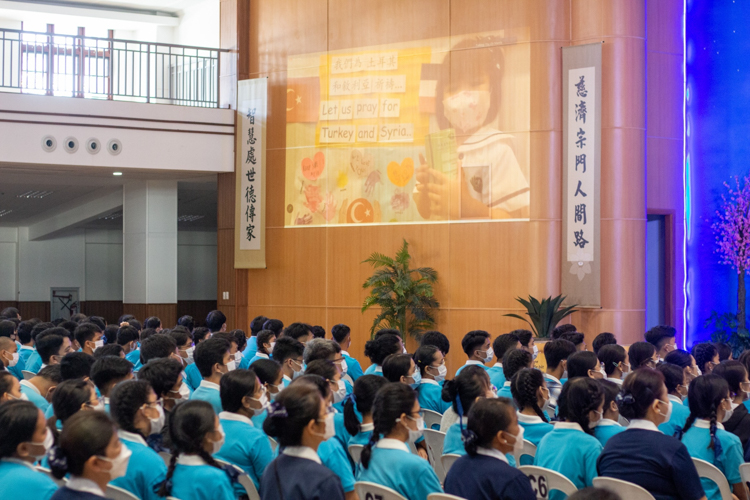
368,491
244,480
434,441
355,451
431,419
710,471
448,460
116,493
528,449
626,490
543,481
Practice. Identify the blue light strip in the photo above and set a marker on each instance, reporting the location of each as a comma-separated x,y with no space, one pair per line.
685,177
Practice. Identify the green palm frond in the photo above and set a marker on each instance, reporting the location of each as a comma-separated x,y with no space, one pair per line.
544,315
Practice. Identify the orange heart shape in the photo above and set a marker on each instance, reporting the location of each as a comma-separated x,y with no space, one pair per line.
312,169
401,174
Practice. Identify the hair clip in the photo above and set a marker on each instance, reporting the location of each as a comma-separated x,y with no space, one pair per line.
231,472
277,410
628,399
57,459
468,436
350,397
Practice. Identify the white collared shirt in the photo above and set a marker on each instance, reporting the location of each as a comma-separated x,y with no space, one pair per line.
378,369
42,367
84,485
568,425
209,385
429,381
506,384
302,452
367,427
607,422
473,362
392,444
20,462
27,348
529,419
703,423
498,365
344,353
261,355
547,376
617,381
642,423
287,379
130,436
674,399
236,417
191,460
26,383
492,452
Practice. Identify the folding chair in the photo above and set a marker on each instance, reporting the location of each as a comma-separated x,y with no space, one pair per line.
623,421
745,474
443,496
624,489
166,456
116,493
434,440
431,419
447,461
59,482
529,450
373,491
273,442
711,472
543,481
244,480
27,375
355,451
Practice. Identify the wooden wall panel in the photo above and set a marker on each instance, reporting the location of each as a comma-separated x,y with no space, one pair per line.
29,310
110,310
198,309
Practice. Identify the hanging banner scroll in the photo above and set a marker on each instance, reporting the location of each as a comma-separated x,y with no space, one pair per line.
581,77
250,199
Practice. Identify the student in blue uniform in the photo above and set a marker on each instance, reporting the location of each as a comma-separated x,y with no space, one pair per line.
706,357
386,459
192,374
25,339
674,380
614,360
70,397
571,449
137,412
514,361
609,424
705,437
10,357
108,372
342,335
288,353
256,325
299,421
39,388
735,373
584,364
360,402
401,368
184,342
270,375
642,454
556,353
246,446
439,340
213,360
380,348
328,350
431,365
531,396
10,388
502,344
193,474
484,473
332,376
642,354
472,383
476,346
164,377
51,346
24,439
90,451
266,340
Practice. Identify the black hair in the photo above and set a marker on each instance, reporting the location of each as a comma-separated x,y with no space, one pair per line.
487,417
592,493
85,332
78,318
152,322
362,397
578,397
639,391
678,357
559,330
187,321
640,353
215,320
267,370
323,368
556,351
7,328
579,364
390,403
423,357
434,337
76,365
733,372
472,382
320,349
524,386
6,382
275,325
296,330
515,360
611,391
473,341
189,423
125,318
180,337
286,348
381,347
256,325
228,336
610,355
162,374
703,353
234,386
106,370
705,395
127,398
49,345
604,338
318,381
208,353
157,346
24,331
147,333
200,333
724,350
240,339
658,336
39,328
68,398
339,332
108,350
17,425
388,331
9,312
524,336
51,373
673,376
503,343
85,434
264,337
576,337
70,327
291,412
318,332
396,366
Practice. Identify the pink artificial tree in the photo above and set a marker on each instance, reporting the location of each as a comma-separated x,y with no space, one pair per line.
732,230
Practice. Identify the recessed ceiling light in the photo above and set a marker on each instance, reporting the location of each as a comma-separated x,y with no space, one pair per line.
4,212
117,173
35,194
112,216
189,218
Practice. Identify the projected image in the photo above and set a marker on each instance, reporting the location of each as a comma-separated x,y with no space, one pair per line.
435,130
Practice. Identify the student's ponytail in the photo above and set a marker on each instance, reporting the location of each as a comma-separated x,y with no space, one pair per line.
580,396
166,487
351,422
390,403
465,388
705,396
524,387
486,418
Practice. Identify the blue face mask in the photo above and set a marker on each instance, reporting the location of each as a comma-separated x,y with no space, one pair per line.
417,378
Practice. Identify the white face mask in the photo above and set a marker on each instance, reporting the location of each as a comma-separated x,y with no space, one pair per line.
340,393
270,349
49,440
594,423
189,351
231,366
344,367
98,406
98,344
218,444
13,359
297,373
119,463
238,357
403,350
414,434
263,400
330,428
728,413
467,110
669,410
535,353
518,443
157,424
488,355
442,372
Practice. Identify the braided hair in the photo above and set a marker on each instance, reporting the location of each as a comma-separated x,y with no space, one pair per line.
390,403
362,396
463,390
580,396
705,396
126,400
486,418
524,387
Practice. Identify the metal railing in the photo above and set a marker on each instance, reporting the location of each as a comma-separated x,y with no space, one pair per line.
108,68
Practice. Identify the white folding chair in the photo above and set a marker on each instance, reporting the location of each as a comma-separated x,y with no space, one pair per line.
355,451
348,378
529,449
745,474
443,496
624,489
172,498
711,472
372,491
166,456
27,375
434,441
59,482
116,493
273,442
543,481
623,421
244,480
447,461
431,418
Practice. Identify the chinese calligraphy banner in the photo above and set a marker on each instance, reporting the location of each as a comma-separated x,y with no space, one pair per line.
581,77
250,221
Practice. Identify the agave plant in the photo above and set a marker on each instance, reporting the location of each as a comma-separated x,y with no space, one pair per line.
544,315
404,295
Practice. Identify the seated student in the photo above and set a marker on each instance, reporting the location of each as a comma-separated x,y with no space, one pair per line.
642,454
476,346
24,439
76,365
331,374
70,397
706,357
90,451
502,344
431,364
705,437
298,421
184,342
434,337
24,337
34,361
216,321
318,332
677,387
299,332
560,329
275,325
10,388
526,338
109,371
386,459
266,340
342,335
39,388
735,374
11,312
241,341
556,353
256,325
531,397
584,364
725,351
401,368
187,321
571,448
270,375
137,411
380,348
10,357
330,351
642,354
109,350
153,322
360,402
127,337
484,473
164,376
89,337
213,360
577,338
614,359
686,361
514,361
663,340
468,386
157,346
604,338
609,424
288,353
246,446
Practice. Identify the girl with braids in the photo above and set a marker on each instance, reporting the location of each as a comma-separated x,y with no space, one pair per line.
386,459
70,397
431,364
484,473
571,448
24,438
644,455
137,412
298,420
705,437
360,402
531,395
735,373
380,348
609,424
193,474
470,384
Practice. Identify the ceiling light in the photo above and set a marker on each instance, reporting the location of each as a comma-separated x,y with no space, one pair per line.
189,218
112,216
117,173
4,212
35,194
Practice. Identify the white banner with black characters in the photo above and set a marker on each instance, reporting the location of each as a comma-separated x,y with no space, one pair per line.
580,280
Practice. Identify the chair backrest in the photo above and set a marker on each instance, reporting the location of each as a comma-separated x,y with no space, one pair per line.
529,449
27,375
545,480
745,474
116,493
710,471
273,442
434,441
244,480
348,378
448,460
59,482
355,451
624,489
372,491
166,456
431,418
443,496
623,421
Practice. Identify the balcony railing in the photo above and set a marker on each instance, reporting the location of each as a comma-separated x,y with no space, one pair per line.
108,68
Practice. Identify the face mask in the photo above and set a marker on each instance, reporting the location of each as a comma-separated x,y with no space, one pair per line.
669,410
270,349
344,367
442,372
119,463
603,372
218,444
340,393
488,355
415,434
231,366
403,350
13,360
238,357
467,110
518,443
263,400
184,392
625,371
277,388
330,428
189,351
49,440
596,422
98,344
536,352
728,414
417,378
157,424
297,373
699,371
98,406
